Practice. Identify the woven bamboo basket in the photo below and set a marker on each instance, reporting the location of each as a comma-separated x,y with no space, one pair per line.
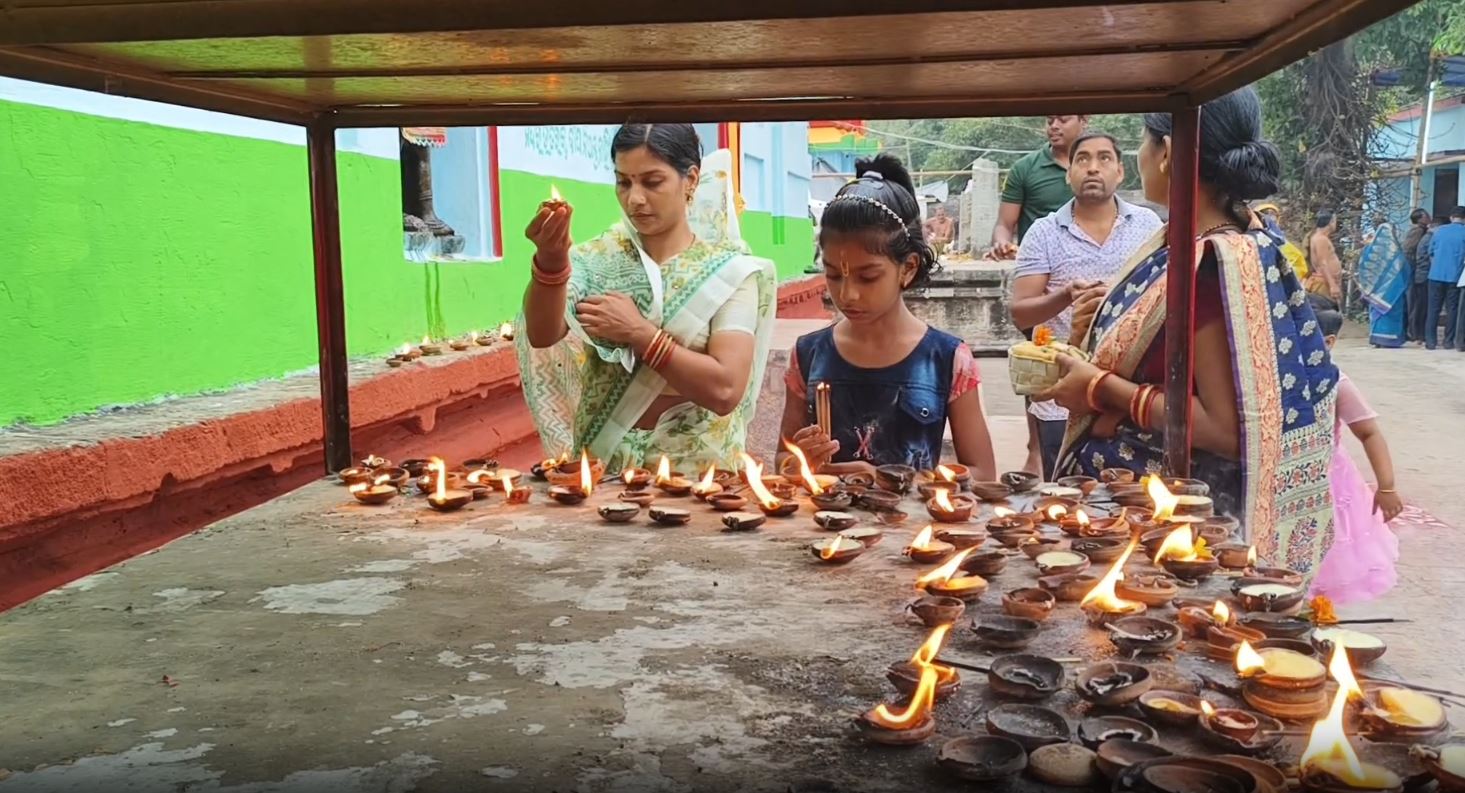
1032,374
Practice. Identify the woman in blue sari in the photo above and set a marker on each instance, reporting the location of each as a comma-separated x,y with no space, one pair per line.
1262,400
1383,278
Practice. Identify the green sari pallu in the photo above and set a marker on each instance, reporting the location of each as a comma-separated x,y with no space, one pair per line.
587,393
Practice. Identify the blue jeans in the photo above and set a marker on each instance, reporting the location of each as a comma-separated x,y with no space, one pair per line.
1447,296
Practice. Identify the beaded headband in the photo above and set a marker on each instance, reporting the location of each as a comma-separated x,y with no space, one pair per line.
878,204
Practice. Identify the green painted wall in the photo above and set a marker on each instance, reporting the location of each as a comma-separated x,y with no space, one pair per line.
141,261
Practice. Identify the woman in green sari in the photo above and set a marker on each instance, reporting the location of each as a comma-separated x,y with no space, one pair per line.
650,339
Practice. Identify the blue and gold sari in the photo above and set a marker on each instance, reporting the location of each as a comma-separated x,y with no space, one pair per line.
1383,280
1285,383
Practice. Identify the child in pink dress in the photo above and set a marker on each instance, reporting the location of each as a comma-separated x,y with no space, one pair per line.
1360,563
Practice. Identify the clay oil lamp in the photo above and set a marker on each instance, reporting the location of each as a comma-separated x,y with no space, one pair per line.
397,477
1061,563
1007,633
961,538
837,550
834,500
1152,590
1235,556
1197,621
866,536
926,550
1029,602
814,484
1270,597
706,487
1295,645
909,725
1185,556
1362,648
643,498
1004,519
480,491
984,562
1115,528
444,499
1144,635
513,493
356,475
1098,729
1281,683
1073,523
664,473
1051,511
1021,481
859,479
1064,765
743,521
460,344
950,580
1032,726
991,491
1179,774
676,486
834,521
669,516
571,494
1237,730
1222,643
878,501
934,610
982,758
1116,754
1026,677
484,339
506,330
1188,487
892,517
1193,506
619,512
1278,575
1013,538
906,675
540,470
572,473
955,473
772,506
895,478
1329,763
727,502
416,466
566,495
1072,588
1116,476
1171,708
1083,484
1102,604
1276,626
430,347
1401,715
636,479
1033,547
946,508
377,491
1445,763
483,477
1113,683
1061,492
928,490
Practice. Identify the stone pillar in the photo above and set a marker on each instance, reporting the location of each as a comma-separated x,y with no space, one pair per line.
980,203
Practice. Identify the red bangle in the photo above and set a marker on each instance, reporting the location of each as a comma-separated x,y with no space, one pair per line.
1134,400
1093,391
1150,406
546,278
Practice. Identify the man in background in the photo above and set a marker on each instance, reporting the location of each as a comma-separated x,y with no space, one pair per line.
939,231
1068,258
1447,264
1418,281
1036,186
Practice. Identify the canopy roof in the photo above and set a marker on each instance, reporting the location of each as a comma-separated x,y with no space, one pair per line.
466,62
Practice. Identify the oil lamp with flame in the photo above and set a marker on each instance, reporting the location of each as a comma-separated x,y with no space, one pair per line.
1329,763
906,675
1186,556
816,484
1197,621
1074,523
513,493
377,491
506,331
837,549
771,505
636,479
574,494
442,498
1102,604
1282,683
926,549
707,485
952,581
946,508
910,725
430,347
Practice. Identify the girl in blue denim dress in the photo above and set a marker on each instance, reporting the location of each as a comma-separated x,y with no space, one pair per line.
895,383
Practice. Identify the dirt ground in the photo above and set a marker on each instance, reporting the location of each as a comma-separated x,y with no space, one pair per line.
313,644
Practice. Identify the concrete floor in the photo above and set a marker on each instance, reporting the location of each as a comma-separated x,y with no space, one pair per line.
311,644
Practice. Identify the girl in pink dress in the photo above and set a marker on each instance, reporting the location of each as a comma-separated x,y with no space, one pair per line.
1360,563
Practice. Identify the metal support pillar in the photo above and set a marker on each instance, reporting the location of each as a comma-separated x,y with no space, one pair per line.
1180,285
330,304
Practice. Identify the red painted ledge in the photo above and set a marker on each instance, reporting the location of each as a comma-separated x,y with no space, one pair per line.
75,510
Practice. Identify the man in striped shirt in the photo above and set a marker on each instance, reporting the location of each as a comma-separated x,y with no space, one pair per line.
1068,258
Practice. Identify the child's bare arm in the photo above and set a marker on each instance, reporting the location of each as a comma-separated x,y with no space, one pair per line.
1376,448
817,447
971,436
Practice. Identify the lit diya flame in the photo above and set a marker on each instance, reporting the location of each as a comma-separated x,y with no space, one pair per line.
554,194
1003,512
628,474
1056,511
804,470
922,540
405,349
946,473
1103,595
829,550
437,465
508,484
663,470
362,486
919,708
1207,708
478,476
506,330
1180,545
767,499
426,340
1249,662
1221,614
948,573
929,649
705,484
1328,749
1251,556
943,500
586,483
1080,517
1165,501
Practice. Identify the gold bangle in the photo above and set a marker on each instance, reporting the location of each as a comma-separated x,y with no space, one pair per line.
1387,490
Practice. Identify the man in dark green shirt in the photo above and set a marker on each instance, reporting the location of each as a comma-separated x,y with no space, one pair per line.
1036,186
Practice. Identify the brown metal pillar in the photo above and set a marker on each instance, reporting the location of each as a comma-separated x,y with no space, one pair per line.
1180,285
330,304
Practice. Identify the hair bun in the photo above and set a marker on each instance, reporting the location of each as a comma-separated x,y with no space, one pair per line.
886,168
1250,170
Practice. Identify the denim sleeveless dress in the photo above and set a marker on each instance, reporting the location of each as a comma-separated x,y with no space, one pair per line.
887,416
